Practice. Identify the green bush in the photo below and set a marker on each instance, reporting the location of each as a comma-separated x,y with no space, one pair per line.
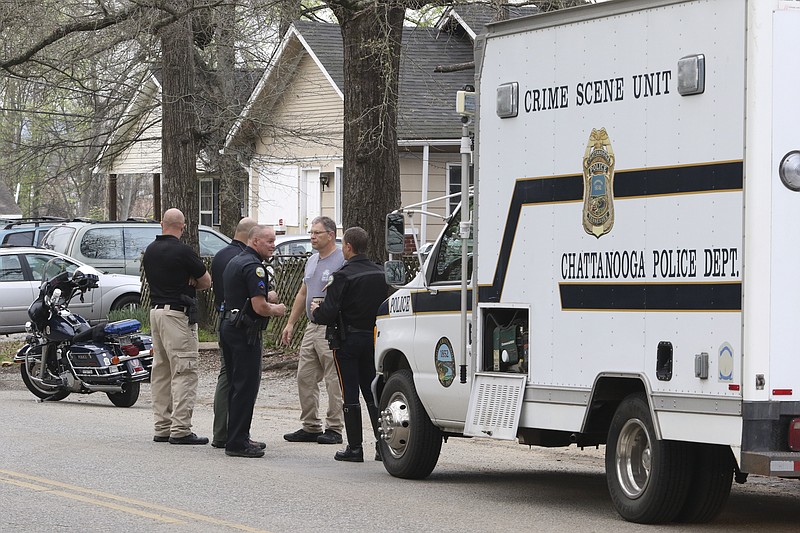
139,313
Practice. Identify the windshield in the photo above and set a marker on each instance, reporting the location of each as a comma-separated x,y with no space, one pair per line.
447,262
45,266
210,243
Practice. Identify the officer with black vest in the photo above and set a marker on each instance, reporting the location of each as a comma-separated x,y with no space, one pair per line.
247,309
349,309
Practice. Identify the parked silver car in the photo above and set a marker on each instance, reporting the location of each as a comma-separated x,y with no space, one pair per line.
117,246
21,274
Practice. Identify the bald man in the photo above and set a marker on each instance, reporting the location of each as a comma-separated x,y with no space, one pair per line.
173,269
218,264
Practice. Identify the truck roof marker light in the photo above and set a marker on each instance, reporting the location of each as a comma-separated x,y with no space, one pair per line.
692,74
781,392
794,435
789,170
508,100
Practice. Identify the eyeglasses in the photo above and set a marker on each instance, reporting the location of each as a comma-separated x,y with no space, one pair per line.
317,233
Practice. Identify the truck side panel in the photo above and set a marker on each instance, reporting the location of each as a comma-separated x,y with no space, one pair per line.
668,268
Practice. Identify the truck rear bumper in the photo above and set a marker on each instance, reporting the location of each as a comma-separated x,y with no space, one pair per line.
779,464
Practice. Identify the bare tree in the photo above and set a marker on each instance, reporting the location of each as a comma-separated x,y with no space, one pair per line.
43,140
371,33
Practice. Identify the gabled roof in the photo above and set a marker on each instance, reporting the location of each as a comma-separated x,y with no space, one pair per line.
472,18
426,107
139,116
8,207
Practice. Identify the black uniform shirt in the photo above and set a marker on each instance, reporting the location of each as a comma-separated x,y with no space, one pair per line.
357,290
218,265
244,278
168,265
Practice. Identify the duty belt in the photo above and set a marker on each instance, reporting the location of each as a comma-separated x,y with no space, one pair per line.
170,307
230,314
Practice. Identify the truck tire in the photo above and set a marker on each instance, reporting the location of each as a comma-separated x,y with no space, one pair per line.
648,479
411,443
710,485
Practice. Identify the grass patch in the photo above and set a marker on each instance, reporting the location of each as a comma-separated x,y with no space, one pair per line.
207,336
8,349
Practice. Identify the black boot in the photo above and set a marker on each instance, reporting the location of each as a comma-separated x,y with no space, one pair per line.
375,418
354,453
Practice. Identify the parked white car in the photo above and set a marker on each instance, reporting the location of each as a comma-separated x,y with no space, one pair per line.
21,273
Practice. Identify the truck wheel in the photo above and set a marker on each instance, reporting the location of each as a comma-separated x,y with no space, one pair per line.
126,398
411,443
710,485
648,479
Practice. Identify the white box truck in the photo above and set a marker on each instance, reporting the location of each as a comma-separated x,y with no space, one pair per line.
632,263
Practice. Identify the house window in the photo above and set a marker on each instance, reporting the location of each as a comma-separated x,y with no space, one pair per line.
454,185
209,202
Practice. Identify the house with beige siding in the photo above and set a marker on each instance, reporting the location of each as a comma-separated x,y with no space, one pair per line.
134,145
290,133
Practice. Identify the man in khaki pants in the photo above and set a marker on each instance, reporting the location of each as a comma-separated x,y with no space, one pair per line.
315,361
173,270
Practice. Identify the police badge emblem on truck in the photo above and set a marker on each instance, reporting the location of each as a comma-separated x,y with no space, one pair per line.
598,184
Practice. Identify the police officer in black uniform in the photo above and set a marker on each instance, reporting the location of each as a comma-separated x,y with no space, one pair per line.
218,264
349,309
246,313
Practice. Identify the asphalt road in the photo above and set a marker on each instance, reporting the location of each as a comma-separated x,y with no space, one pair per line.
83,464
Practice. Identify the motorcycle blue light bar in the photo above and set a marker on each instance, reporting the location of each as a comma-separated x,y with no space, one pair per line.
121,327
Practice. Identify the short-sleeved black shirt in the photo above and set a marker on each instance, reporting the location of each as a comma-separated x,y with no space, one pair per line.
168,265
218,264
244,278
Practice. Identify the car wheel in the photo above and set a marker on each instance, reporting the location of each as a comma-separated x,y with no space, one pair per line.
127,301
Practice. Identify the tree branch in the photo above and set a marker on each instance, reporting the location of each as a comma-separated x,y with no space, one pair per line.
90,24
455,67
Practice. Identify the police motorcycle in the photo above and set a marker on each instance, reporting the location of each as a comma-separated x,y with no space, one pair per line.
64,354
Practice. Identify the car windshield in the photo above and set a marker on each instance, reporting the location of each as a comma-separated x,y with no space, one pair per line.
210,243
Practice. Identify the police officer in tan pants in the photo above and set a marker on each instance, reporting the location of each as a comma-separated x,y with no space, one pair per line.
174,272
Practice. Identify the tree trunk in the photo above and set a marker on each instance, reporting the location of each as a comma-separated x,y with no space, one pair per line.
179,125
230,172
371,187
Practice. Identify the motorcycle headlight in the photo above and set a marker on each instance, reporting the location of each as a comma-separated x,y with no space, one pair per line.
789,170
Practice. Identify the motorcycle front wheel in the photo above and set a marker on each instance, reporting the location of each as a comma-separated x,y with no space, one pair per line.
126,398
31,367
